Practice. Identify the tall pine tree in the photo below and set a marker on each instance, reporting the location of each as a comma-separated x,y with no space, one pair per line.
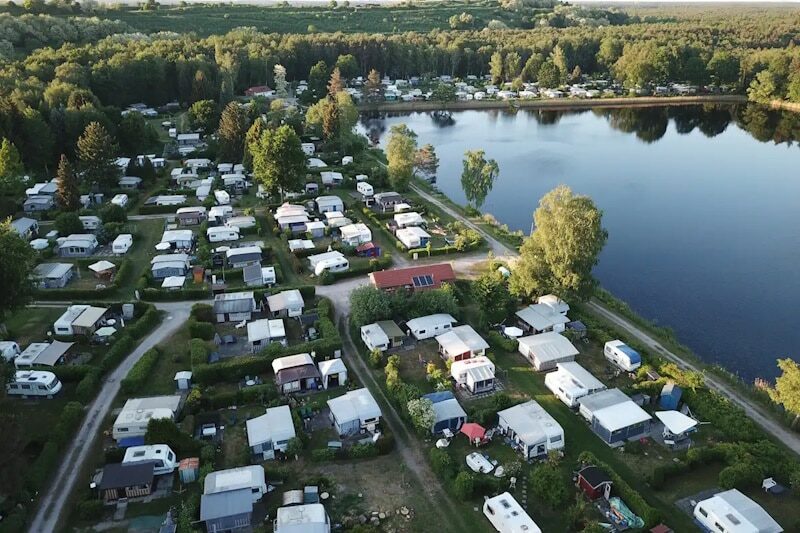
11,169
96,152
253,136
231,133
68,194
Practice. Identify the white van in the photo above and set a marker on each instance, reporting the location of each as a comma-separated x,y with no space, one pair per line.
33,383
622,355
120,200
163,458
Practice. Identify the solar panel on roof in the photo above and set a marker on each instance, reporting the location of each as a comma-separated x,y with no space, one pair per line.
422,281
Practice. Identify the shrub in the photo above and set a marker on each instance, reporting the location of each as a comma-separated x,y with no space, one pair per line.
165,431
202,313
464,485
385,443
376,358
90,509
201,330
322,455
499,342
198,351
740,476
118,351
88,386
442,464
144,324
140,372
363,451
549,485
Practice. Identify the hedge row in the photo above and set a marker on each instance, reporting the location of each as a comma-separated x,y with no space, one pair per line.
140,372
629,495
51,453
144,324
159,295
373,265
89,385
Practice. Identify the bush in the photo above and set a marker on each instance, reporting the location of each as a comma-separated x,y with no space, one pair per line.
140,372
442,464
165,431
499,342
198,350
143,325
464,485
740,476
362,451
385,443
118,351
88,386
90,509
201,330
202,313
549,485
322,455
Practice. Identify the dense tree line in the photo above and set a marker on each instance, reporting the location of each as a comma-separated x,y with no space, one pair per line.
27,32
48,98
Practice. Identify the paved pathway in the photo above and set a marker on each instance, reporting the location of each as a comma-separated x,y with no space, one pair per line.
55,497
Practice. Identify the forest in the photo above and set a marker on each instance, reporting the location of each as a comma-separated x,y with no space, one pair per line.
48,96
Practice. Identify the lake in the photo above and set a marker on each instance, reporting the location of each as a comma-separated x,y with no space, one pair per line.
701,203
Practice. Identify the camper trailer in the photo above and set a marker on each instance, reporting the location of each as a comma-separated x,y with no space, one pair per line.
33,383
163,458
244,477
508,516
222,197
427,327
328,262
571,381
222,234
622,355
122,244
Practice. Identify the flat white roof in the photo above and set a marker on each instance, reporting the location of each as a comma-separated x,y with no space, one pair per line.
355,230
174,235
375,334
274,425
355,404
461,339
233,252
531,422
169,258
541,316
549,346
285,300
411,232
513,515
102,266
259,330
173,282
291,361
676,422
621,415
739,514
579,375
328,200
330,367
234,478
309,518
430,321
406,219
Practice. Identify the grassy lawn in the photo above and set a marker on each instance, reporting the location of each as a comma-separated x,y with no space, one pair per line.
32,323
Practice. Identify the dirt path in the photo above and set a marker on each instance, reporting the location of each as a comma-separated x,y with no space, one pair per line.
752,409
54,499
410,448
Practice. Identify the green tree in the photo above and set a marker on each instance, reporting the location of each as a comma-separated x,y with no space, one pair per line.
330,119
368,305
496,68
231,132
135,134
549,76
68,194
478,176
793,87
559,255
97,155
347,66
426,162
400,150
724,67
11,169
492,296
444,93
530,72
786,391
373,85
281,86
561,61
16,265
318,79
113,213
278,161
764,88
420,411
609,52
203,115
513,65
68,223
254,133
549,486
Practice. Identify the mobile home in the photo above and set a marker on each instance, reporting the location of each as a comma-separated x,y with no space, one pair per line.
131,423
413,237
475,374
270,432
355,234
222,234
571,381
461,342
122,244
427,327
354,411
546,350
507,516
243,477
27,383
328,262
533,430
622,355
161,456
447,412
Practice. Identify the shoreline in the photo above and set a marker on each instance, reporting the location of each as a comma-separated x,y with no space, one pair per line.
563,104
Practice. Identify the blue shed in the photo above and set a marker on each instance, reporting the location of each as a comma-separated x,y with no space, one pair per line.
670,397
448,412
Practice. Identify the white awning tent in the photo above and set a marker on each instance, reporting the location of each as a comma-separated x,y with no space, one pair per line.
102,266
106,331
676,422
513,332
173,282
332,367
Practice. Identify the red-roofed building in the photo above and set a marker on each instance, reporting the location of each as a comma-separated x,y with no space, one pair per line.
414,278
259,90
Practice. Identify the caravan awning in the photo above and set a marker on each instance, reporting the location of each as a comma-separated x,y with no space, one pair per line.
676,422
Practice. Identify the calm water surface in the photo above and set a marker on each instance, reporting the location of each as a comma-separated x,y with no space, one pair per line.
702,206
